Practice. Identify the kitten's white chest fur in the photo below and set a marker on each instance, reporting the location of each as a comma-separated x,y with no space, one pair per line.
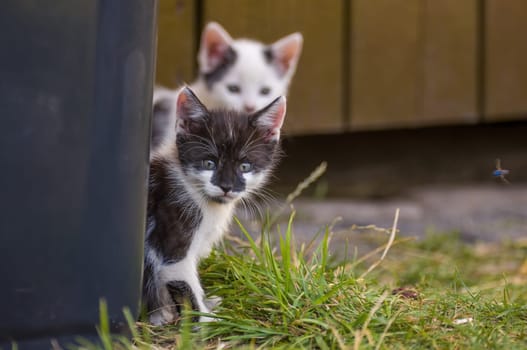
216,219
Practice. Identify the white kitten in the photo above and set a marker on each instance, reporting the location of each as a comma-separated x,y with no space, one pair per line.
242,74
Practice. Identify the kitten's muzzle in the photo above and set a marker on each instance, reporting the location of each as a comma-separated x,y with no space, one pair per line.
249,108
226,198
226,188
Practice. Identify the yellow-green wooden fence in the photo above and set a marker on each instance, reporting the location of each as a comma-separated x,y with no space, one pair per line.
373,64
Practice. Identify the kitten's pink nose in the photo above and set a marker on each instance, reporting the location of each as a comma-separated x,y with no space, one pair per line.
249,108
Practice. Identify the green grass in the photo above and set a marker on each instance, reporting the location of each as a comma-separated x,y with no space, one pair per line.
434,293
277,295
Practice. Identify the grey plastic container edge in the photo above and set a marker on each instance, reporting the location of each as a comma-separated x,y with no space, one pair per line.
75,102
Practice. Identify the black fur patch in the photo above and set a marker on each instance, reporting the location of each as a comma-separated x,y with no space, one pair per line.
175,223
180,292
268,55
150,288
229,58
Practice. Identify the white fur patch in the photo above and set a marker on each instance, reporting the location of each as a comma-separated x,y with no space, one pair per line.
254,181
251,73
216,220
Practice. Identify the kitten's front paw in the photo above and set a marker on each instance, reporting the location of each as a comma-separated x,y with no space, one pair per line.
161,317
212,302
206,319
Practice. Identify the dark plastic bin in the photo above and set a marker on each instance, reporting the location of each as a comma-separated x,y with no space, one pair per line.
75,104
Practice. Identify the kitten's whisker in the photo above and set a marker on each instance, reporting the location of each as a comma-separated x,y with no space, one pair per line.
251,209
211,135
249,147
205,146
249,139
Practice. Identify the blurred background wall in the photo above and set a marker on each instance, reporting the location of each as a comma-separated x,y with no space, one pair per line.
390,92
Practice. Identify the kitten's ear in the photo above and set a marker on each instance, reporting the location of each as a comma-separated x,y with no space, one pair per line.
284,53
189,111
270,118
215,44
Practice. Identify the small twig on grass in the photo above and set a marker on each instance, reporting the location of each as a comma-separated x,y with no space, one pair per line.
388,245
359,334
314,176
238,241
385,331
369,227
340,340
308,181
377,250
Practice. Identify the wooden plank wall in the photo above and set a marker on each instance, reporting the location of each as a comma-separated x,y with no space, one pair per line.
413,63
450,61
384,63
177,42
506,60
373,64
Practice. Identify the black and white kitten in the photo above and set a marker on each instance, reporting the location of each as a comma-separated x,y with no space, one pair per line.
218,158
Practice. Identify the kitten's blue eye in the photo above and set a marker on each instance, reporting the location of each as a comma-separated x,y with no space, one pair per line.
265,90
245,167
235,89
208,164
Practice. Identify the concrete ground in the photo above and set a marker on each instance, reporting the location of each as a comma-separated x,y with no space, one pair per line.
487,213
482,213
